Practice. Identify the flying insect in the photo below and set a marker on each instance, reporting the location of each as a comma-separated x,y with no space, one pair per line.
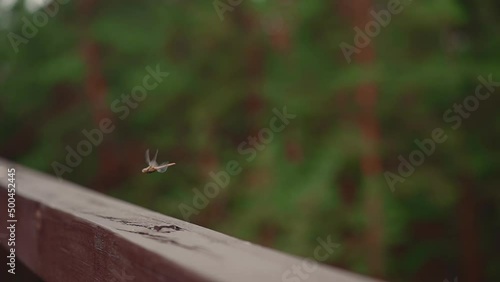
153,166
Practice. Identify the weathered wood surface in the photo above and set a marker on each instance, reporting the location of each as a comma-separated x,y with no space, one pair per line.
69,233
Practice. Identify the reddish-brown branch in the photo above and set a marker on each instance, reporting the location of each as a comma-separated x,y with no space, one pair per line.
371,165
96,90
468,233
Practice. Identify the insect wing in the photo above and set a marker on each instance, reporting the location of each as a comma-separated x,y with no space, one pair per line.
153,162
163,167
148,161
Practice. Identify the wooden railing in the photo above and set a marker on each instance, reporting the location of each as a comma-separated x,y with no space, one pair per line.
64,232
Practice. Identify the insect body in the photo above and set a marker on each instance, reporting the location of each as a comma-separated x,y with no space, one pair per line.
154,166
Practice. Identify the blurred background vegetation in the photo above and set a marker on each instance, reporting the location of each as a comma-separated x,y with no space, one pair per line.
324,174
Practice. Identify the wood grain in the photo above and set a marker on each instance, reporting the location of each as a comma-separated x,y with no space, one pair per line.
69,233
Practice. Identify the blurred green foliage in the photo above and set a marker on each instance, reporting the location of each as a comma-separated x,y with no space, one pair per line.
225,79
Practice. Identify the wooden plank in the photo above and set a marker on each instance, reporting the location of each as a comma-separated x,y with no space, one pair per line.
68,233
